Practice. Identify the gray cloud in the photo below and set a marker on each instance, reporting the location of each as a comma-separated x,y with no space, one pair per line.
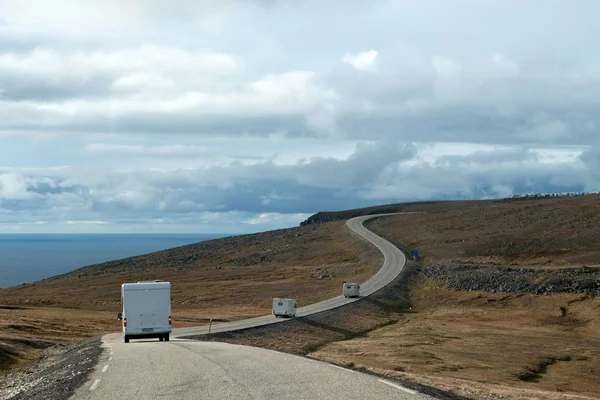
496,90
374,173
200,110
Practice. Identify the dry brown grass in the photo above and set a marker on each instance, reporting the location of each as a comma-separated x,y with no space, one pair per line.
512,347
553,231
519,346
220,283
216,280
25,332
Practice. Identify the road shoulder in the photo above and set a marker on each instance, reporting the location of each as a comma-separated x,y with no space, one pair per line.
61,370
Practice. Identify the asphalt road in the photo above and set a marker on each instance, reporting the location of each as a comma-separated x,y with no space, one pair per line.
189,369
391,268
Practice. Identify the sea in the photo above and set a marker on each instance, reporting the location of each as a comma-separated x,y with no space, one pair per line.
26,258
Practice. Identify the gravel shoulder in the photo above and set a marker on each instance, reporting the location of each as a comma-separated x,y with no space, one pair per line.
59,372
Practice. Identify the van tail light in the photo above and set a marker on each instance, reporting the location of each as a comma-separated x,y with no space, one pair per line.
124,321
170,320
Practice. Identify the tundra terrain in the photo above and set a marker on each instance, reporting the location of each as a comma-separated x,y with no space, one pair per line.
502,303
223,279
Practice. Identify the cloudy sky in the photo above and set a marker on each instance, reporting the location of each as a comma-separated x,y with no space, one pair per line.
241,116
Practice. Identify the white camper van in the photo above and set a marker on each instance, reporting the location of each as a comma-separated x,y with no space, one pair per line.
146,310
351,289
284,307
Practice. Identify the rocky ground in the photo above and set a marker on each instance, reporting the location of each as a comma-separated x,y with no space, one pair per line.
61,369
504,279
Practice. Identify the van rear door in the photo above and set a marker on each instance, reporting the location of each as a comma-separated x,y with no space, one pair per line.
148,310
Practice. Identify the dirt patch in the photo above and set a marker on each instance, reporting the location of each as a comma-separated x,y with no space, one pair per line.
15,350
25,332
533,373
58,373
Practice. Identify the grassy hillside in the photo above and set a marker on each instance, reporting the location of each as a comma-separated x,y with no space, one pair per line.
501,302
551,231
475,323
428,206
239,272
223,279
506,301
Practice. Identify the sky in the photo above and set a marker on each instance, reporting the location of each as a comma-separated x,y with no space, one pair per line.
230,116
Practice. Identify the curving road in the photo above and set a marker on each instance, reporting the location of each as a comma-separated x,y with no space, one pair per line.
189,369
394,261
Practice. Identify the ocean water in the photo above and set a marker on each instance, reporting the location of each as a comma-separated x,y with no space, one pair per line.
27,258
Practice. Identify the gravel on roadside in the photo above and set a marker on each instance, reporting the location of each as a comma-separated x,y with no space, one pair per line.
58,373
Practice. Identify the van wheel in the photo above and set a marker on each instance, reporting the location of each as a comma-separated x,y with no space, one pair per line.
167,337
126,339
160,339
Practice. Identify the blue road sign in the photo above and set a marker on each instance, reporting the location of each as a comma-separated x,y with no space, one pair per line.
414,254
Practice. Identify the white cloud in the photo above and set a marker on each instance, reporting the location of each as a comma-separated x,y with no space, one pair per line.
363,61
174,150
266,218
446,68
140,81
86,222
217,114
14,186
76,68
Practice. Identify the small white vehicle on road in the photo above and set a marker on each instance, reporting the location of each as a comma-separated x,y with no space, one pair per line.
146,310
284,307
351,289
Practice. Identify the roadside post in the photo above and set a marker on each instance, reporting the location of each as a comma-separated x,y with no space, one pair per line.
415,254
209,325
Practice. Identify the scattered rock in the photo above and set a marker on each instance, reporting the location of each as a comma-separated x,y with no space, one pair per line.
498,279
320,273
59,372
252,259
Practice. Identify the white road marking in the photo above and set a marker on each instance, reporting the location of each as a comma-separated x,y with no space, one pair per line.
397,386
95,384
345,369
105,368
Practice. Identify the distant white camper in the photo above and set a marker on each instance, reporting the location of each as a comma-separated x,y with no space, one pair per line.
284,307
351,289
146,310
